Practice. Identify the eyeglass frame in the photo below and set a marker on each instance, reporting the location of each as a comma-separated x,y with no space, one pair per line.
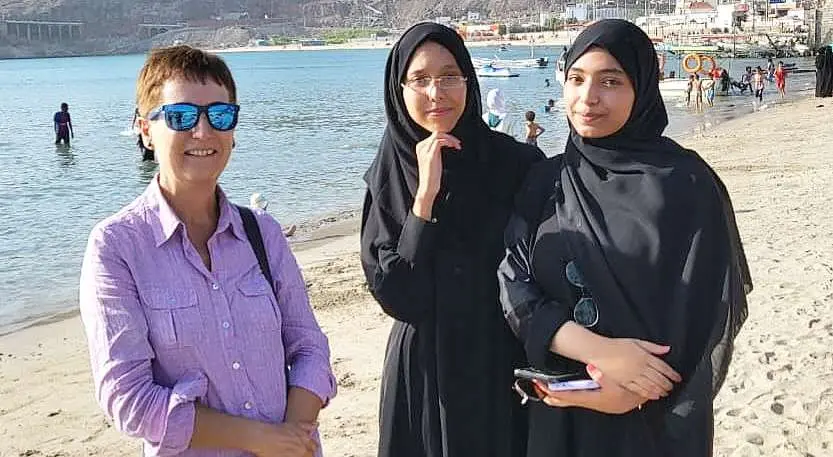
155,113
585,294
435,81
525,397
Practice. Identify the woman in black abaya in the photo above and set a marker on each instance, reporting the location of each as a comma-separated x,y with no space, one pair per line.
623,259
439,195
824,72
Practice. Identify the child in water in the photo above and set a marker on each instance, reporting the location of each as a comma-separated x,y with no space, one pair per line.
533,129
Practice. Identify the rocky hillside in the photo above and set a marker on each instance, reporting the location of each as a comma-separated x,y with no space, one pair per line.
114,15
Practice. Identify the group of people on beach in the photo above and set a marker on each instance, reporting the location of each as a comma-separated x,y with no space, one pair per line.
618,261
755,81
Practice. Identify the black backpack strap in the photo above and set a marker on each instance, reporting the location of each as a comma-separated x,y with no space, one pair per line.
256,241
252,230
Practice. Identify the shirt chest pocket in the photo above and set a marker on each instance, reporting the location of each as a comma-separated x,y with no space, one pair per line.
257,309
174,319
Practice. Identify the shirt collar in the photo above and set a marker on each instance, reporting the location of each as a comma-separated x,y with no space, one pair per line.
167,222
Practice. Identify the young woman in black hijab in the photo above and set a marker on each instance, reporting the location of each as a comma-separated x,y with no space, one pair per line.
440,193
623,259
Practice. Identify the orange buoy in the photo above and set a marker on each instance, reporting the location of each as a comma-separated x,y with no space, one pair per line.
698,65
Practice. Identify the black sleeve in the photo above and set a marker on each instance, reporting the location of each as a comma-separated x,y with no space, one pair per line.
533,316
397,262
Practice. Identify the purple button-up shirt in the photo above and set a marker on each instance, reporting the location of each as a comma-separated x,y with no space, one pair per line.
165,332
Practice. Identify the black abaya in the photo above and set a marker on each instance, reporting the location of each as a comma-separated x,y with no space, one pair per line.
449,359
824,72
651,230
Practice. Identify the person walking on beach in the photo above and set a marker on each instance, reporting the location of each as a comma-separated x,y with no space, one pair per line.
758,84
781,79
202,339
63,125
439,194
697,88
623,259
770,70
707,84
533,129
689,87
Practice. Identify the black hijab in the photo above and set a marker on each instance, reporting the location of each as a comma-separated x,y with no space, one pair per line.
392,177
652,229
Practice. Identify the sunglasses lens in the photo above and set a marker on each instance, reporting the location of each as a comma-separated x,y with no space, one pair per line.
526,390
222,116
181,117
586,313
574,274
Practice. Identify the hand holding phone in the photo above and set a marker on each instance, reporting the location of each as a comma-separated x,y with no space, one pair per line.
558,382
608,397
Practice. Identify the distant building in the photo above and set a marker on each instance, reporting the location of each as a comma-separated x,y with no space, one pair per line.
444,20
577,12
820,21
472,16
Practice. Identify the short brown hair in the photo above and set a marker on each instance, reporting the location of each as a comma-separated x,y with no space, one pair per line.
175,62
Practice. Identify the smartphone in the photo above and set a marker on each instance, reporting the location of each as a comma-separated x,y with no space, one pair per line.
558,382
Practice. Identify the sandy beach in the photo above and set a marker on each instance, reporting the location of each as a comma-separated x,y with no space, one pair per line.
777,400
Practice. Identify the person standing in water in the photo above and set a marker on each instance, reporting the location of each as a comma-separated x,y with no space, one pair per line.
498,116
63,125
533,129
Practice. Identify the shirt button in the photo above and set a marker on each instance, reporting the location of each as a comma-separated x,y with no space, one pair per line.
236,365
226,325
247,405
215,286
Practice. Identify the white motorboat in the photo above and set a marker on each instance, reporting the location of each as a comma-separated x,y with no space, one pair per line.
490,71
539,62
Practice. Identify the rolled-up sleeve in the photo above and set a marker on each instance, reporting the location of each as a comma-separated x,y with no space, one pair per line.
121,354
306,346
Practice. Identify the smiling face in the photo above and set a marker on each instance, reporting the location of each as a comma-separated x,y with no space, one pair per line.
599,95
435,109
194,157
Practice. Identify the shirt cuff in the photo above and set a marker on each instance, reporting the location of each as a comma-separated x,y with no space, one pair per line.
179,426
315,378
417,238
542,327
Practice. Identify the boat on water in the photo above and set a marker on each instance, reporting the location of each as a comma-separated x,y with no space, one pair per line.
539,62
491,71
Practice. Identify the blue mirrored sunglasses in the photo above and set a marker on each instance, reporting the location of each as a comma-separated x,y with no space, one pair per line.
185,116
585,312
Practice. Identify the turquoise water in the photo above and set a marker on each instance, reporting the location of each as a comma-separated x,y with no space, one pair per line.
309,127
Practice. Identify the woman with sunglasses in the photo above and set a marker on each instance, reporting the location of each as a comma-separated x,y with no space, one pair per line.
623,259
189,340
439,195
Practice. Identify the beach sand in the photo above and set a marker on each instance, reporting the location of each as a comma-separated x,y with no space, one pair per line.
777,400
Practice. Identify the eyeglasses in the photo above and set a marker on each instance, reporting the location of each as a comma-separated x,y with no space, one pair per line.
585,312
182,117
440,82
526,389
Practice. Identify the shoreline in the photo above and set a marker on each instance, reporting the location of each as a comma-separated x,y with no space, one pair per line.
322,229
776,400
